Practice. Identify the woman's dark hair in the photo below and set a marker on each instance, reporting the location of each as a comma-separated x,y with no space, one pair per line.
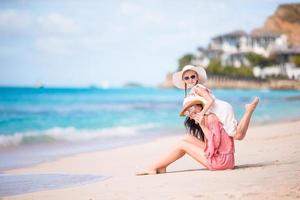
193,128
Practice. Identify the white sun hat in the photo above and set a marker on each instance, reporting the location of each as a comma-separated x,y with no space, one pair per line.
177,76
191,101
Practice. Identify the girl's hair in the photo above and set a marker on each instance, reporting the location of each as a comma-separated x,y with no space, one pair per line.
193,128
185,88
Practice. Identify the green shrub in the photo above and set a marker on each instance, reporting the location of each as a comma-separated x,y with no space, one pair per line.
296,60
259,60
215,66
184,60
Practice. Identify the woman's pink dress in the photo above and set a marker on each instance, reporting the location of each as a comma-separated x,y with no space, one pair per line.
219,147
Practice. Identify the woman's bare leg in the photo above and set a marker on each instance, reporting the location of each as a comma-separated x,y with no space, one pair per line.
193,140
245,121
188,145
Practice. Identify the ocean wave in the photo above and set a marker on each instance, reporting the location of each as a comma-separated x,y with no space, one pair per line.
88,108
71,134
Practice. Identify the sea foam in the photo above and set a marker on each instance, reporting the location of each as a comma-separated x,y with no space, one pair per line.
71,134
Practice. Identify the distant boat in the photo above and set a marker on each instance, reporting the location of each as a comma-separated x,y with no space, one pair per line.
133,85
104,84
39,85
93,87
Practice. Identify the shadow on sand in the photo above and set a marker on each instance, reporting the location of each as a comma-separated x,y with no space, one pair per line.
237,167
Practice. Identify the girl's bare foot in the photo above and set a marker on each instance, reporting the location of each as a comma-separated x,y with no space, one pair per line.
250,107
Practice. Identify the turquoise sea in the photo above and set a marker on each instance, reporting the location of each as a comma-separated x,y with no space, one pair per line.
103,118
29,115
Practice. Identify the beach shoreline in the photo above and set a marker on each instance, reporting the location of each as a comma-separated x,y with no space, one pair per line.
43,152
71,149
267,162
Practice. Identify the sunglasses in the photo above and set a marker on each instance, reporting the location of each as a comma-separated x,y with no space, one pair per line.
186,78
192,110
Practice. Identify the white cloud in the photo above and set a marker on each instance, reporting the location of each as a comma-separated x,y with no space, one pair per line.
69,45
129,8
140,16
15,22
54,45
53,33
57,34
56,24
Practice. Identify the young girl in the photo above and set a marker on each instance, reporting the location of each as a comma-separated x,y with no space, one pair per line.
208,143
193,77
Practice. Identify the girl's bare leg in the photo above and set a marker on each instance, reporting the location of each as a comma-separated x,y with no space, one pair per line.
190,145
245,121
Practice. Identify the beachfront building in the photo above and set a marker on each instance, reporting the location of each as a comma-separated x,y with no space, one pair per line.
265,43
284,55
240,41
237,59
273,71
203,56
293,72
287,69
285,66
232,48
230,43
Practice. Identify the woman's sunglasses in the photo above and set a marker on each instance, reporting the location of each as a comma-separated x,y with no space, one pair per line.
186,78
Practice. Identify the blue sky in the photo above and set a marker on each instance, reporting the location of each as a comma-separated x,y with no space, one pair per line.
79,43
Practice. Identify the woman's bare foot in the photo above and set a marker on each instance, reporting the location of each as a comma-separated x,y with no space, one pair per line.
250,107
162,170
146,172
151,172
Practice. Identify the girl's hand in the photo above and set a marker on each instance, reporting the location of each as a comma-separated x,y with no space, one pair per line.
199,118
197,89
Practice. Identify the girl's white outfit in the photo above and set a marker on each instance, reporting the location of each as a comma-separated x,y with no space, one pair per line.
221,109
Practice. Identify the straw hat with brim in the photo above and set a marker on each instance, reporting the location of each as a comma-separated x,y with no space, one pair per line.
178,79
191,101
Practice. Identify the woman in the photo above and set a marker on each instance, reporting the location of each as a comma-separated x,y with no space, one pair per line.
208,143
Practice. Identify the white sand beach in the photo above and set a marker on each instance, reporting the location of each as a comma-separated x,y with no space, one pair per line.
268,167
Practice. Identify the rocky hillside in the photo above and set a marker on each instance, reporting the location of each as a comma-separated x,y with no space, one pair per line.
286,19
168,83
